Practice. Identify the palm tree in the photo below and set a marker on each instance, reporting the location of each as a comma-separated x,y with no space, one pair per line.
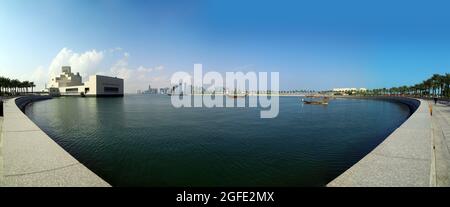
2,83
9,84
25,84
5,84
434,83
416,89
32,85
428,84
15,85
445,85
441,83
393,91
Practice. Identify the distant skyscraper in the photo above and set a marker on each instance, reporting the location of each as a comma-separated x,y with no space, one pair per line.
151,90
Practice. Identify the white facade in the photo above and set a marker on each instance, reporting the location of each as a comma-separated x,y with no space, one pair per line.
348,89
97,85
66,78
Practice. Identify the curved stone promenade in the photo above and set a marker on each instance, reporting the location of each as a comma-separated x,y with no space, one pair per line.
31,158
404,158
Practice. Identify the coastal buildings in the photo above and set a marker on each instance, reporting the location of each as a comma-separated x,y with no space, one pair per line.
151,90
66,78
164,90
154,90
70,84
349,89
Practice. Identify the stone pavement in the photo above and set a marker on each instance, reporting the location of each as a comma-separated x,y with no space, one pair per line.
1,155
31,158
441,139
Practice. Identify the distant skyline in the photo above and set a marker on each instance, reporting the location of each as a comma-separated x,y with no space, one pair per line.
316,46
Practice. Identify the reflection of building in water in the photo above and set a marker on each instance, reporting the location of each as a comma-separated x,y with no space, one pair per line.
70,84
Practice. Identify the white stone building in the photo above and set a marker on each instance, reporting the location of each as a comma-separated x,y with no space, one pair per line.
348,89
70,84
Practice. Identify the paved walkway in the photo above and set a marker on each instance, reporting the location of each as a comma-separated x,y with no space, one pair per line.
1,155
31,158
441,140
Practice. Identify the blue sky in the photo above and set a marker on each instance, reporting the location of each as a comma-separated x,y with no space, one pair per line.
317,45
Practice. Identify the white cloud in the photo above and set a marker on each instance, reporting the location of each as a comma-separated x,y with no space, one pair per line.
104,62
143,69
85,63
39,74
120,68
115,49
139,78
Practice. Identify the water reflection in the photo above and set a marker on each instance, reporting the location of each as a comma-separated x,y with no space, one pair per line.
142,140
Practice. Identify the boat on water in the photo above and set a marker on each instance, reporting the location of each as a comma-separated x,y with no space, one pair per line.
176,91
175,94
323,101
237,95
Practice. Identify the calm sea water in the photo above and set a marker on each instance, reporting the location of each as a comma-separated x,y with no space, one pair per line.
141,140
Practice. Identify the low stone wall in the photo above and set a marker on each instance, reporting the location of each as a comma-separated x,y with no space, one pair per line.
1,107
22,102
412,103
404,158
31,158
